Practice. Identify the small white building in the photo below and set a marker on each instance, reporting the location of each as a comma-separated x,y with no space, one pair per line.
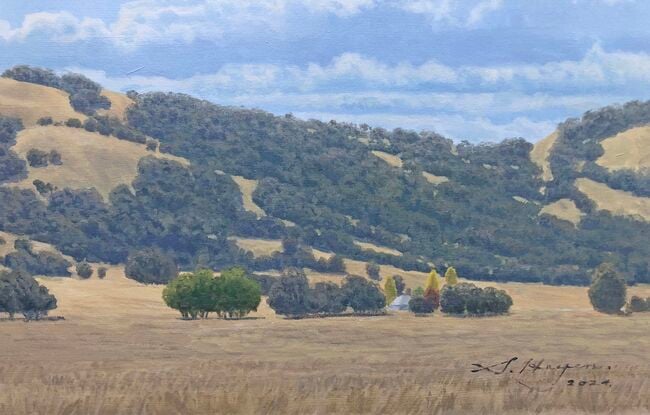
401,303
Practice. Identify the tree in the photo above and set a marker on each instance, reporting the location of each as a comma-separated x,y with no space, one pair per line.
45,121
289,294
55,158
451,277
73,123
37,158
452,300
432,288
421,305
607,292
150,266
390,291
84,270
638,304
101,272
326,297
20,293
372,270
237,294
179,295
362,295
400,285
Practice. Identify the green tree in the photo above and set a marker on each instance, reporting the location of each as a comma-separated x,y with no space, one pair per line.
179,295
289,294
84,270
421,305
362,295
372,270
237,294
451,277
400,285
418,292
390,291
607,292
150,266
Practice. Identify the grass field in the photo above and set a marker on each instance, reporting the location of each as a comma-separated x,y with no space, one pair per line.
87,160
627,150
564,209
540,154
121,351
618,202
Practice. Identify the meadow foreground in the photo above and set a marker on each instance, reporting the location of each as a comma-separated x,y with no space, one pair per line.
121,351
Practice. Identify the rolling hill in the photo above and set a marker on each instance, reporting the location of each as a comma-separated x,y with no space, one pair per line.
200,181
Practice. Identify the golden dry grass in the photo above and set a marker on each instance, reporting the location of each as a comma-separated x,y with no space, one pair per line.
29,102
119,104
564,209
121,351
617,202
627,150
367,246
247,187
433,179
391,159
539,155
89,159
259,247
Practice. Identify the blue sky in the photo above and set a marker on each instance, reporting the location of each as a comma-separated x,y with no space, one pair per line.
481,70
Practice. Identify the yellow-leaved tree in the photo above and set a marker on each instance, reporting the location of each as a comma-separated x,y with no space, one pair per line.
432,288
390,290
451,277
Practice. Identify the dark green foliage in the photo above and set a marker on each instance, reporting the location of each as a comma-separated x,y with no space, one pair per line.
372,270
152,145
326,297
26,260
607,292
150,266
73,123
421,305
84,270
101,272
37,158
638,304
54,157
20,293
25,73
362,295
12,167
468,298
265,282
45,121
400,285
289,294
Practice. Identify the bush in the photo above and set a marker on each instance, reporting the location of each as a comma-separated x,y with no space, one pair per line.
362,295
468,298
421,305
607,291
84,270
55,158
37,158
101,272
150,266
325,297
152,145
43,188
26,261
400,285
236,294
73,123
372,270
289,294
45,121
20,293
638,304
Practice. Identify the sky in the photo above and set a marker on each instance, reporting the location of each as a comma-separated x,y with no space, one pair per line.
477,70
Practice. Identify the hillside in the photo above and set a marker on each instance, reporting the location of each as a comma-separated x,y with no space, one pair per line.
221,176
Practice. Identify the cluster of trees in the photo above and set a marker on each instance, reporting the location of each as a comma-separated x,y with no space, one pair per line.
292,296
20,293
29,262
40,158
85,94
12,167
466,298
427,300
231,295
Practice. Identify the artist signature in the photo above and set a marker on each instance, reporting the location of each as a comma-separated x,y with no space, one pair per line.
521,371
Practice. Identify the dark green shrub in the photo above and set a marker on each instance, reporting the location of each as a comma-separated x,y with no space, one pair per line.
326,297
150,266
20,293
37,158
55,158
101,272
421,305
84,270
372,270
73,123
27,261
45,121
289,294
34,75
362,295
639,305
608,290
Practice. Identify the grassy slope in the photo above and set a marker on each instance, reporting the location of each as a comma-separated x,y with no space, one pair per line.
540,154
627,150
120,350
616,201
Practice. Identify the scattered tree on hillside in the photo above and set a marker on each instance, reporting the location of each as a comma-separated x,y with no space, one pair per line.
607,292
73,123
101,272
84,270
326,297
451,277
400,285
55,158
29,262
45,121
372,269
237,295
150,266
44,189
37,158
289,294
390,291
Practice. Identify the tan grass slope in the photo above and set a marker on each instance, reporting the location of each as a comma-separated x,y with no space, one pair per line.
433,179
247,188
367,246
89,159
391,159
627,150
564,209
29,102
540,153
617,202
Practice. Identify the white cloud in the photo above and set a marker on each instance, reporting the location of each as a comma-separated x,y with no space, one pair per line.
61,27
453,12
